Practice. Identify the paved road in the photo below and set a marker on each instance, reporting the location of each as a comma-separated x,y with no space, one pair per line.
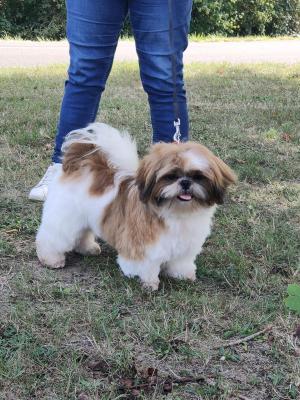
26,53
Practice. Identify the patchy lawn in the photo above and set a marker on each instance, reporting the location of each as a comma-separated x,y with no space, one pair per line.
86,332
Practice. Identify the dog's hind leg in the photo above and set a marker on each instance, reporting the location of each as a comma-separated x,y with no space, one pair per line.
57,235
87,244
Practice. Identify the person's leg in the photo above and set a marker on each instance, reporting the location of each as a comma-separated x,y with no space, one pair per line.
156,48
93,29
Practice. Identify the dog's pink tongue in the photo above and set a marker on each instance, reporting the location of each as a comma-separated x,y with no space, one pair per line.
185,197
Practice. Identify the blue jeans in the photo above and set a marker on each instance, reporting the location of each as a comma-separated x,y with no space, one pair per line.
93,28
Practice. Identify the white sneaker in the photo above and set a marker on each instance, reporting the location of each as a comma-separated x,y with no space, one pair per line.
39,192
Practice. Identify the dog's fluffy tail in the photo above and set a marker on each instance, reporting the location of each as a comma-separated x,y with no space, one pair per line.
119,148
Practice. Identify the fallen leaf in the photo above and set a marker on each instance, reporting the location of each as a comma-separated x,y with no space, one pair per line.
270,338
293,300
167,387
82,396
127,383
286,137
48,146
297,351
151,376
135,392
152,371
297,332
98,365
176,343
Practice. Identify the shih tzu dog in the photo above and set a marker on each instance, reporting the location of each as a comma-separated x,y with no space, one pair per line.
156,212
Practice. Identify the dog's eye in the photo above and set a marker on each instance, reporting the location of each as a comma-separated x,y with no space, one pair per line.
171,177
198,177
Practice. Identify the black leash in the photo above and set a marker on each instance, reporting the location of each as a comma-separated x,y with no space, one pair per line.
177,133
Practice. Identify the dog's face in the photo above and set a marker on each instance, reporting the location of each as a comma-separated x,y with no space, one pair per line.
183,177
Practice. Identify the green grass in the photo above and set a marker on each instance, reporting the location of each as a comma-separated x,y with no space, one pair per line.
86,332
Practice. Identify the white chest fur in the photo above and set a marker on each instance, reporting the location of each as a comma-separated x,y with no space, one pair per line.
184,235
175,250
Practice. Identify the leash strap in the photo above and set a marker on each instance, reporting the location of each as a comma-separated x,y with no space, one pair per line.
177,134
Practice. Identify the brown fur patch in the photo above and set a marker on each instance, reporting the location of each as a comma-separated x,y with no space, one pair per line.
128,224
80,156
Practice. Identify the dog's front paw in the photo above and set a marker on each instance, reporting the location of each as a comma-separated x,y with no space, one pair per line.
150,286
147,272
54,262
190,276
181,271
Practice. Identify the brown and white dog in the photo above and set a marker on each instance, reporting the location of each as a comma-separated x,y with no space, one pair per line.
156,212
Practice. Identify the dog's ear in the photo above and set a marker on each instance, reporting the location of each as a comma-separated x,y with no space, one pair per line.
146,178
216,194
219,174
221,177
228,177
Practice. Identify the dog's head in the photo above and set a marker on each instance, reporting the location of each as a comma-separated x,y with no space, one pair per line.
183,177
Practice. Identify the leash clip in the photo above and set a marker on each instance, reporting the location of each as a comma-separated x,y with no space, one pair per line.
177,133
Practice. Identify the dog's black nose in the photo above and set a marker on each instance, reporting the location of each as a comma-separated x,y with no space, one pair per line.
185,184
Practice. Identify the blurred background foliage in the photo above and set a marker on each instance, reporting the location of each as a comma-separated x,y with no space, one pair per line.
32,19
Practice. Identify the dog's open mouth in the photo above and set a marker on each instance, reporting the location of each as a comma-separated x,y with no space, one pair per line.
185,197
